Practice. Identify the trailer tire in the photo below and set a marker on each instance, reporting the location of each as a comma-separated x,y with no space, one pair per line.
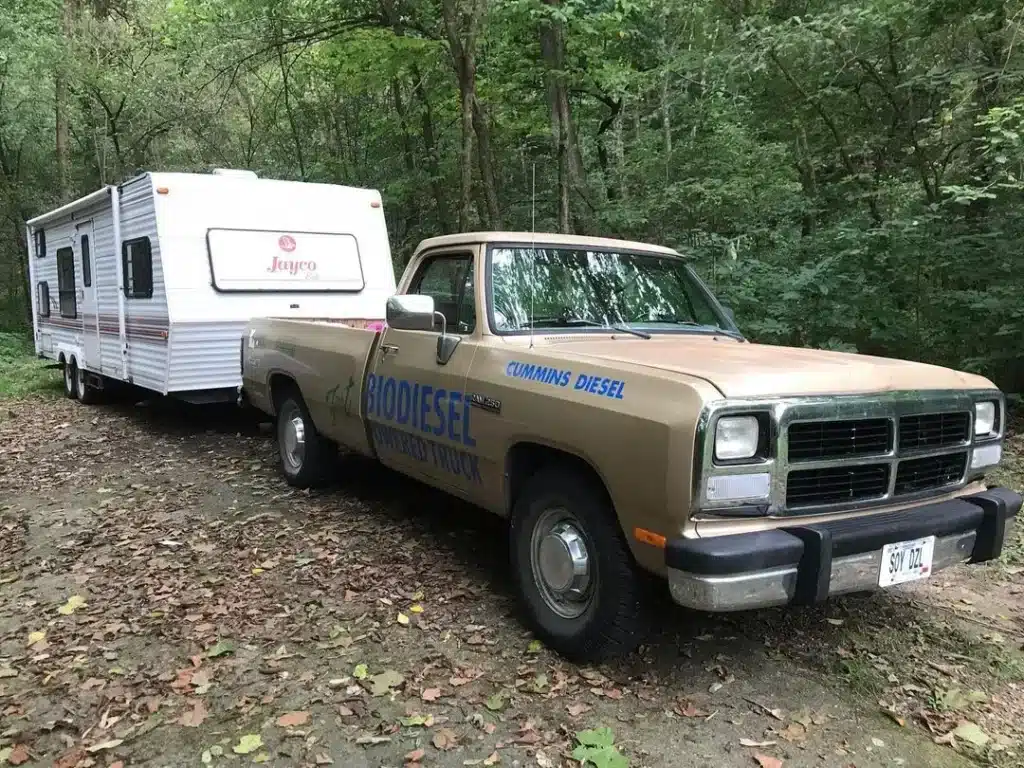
580,588
306,456
87,393
71,379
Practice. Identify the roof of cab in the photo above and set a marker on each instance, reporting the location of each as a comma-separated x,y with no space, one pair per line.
541,239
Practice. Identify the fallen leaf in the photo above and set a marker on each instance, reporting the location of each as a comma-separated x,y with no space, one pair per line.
360,672
18,755
105,745
543,761
416,609
417,720
535,646
293,719
402,618
73,604
8,672
444,739
877,742
971,732
193,718
715,687
221,648
794,732
415,756
835,622
372,740
495,703
577,709
36,637
493,759
687,709
247,744
431,694
766,761
454,681
752,743
384,682
324,759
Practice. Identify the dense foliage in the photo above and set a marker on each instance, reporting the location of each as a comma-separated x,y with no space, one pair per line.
846,174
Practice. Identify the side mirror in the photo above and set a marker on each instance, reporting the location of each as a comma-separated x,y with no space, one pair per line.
410,312
729,313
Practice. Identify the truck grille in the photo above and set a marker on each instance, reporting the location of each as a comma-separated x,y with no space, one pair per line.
929,472
934,430
816,440
834,485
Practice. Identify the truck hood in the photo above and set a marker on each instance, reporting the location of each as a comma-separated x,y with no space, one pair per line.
741,369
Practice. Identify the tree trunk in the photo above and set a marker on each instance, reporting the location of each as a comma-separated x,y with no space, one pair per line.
483,144
462,20
62,144
570,163
433,160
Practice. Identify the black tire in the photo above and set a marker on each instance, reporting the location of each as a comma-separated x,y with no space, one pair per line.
614,619
87,393
308,467
71,379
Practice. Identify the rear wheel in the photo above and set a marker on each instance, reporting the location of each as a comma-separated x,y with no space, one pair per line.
305,455
87,393
71,379
577,580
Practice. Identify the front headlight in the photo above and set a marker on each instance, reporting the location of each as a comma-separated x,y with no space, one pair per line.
737,437
985,419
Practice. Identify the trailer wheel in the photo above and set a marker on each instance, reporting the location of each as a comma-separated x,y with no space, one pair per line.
87,393
71,379
577,580
305,454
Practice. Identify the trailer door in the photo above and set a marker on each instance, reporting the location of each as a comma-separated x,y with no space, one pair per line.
90,317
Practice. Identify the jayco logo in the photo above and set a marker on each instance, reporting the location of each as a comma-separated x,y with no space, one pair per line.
291,266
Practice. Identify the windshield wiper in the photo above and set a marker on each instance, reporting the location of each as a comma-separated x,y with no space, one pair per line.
569,322
695,324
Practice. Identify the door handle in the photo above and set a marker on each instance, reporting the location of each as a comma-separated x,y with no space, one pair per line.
388,349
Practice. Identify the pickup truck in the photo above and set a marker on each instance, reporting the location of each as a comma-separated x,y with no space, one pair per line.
597,395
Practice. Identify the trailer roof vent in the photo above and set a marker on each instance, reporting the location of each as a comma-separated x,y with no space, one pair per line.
238,173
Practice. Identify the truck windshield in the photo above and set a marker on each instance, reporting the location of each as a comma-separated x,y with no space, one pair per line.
570,287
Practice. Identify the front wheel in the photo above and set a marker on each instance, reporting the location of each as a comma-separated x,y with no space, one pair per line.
577,580
305,454
71,379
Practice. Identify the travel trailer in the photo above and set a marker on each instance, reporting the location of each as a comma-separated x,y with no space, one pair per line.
152,281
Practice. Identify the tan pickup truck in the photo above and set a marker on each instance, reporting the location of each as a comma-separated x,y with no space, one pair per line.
597,395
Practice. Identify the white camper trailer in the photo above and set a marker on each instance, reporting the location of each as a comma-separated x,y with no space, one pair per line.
152,281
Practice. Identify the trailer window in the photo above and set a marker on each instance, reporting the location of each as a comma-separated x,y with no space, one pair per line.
66,282
270,260
40,243
86,262
137,268
43,299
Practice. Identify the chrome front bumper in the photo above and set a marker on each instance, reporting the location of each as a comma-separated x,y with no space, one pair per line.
831,562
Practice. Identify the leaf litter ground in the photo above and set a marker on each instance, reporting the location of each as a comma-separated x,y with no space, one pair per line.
166,600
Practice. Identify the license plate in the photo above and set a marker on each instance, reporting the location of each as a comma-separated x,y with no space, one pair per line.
906,561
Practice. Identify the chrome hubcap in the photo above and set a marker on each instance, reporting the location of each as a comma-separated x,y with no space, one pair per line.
69,382
293,438
561,563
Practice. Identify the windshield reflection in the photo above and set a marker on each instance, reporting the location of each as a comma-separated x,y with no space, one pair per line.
578,288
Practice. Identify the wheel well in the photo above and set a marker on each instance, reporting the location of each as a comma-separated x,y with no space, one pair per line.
280,385
526,459
61,359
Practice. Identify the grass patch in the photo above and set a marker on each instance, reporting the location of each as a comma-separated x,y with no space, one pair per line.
21,373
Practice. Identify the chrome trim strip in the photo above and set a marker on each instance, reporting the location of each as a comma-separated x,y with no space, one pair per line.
777,586
784,411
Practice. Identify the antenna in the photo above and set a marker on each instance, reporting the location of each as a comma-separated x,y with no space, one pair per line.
533,246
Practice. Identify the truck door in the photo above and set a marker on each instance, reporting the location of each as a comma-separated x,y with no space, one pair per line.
419,419
90,316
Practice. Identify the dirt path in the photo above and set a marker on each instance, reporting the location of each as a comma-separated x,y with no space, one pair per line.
166,600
